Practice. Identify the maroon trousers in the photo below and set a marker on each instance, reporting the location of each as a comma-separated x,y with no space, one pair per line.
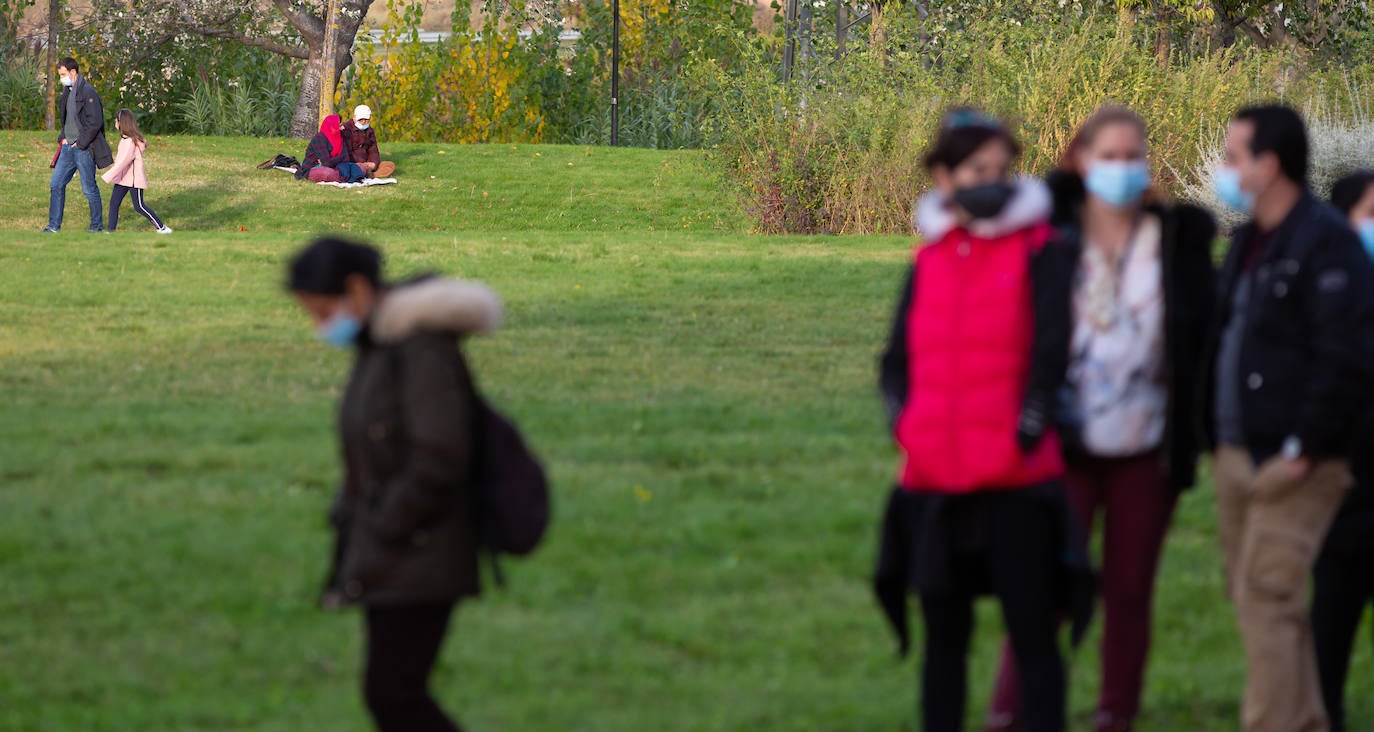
1137,504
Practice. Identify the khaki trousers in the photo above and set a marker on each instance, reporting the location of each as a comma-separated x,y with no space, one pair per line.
1272,529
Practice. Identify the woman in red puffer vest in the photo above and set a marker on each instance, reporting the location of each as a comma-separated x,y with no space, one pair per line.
978,350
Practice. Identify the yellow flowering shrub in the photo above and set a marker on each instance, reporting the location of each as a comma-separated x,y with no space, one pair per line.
472,87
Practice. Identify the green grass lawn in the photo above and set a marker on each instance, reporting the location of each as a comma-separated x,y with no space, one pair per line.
704,397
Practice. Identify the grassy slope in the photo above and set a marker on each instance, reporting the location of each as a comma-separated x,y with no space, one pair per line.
704,398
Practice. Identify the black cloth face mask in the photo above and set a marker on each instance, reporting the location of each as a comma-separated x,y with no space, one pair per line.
985,201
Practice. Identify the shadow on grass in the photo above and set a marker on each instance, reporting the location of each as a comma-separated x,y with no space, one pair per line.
207,207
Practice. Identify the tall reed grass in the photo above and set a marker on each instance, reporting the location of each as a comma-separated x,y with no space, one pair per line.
840,153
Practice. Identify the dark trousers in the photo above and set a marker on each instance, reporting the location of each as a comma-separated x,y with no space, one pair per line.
117,199
1344,589
1021,567
1137,504
402,645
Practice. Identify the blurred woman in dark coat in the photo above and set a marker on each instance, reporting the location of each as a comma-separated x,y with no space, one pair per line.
406,544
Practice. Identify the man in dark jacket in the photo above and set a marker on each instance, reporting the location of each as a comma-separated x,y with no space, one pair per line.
361,140
1287,378
83,146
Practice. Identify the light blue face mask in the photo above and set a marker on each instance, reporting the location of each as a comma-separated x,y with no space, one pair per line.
1366,231
67,81
361,126
1119,183
1228,190
341,330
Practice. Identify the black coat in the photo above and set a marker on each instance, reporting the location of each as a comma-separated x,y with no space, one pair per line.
91,118
1309,335
404,516
1189,286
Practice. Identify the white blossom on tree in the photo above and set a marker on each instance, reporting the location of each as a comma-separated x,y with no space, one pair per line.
291,28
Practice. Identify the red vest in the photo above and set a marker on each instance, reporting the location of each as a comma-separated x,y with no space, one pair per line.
969,336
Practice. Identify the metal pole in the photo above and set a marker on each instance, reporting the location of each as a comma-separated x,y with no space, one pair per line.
615,73
841,27
789,47
54,15
327,67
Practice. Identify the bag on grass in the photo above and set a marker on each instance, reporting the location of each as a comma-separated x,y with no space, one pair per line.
279,161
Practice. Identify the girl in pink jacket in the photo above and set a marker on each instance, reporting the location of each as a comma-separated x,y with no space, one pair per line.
127,174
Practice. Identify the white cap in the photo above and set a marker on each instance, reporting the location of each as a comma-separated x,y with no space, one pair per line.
362,112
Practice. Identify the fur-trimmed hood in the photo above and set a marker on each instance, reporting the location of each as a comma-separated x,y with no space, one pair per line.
1030,204
436,304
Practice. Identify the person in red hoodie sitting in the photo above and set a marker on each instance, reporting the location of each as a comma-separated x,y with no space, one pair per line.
978,350
326,159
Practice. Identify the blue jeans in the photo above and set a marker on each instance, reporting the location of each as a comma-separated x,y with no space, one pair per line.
69,162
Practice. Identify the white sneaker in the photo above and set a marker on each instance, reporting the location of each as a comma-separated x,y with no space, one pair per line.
165,230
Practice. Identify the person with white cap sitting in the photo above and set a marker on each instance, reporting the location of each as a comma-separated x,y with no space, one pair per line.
361,140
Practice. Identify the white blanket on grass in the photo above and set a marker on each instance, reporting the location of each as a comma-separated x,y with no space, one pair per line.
365,182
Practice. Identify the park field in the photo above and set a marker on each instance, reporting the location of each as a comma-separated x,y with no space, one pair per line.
704,397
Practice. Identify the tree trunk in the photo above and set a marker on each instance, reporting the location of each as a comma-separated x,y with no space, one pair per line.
1163,45
877,22
305,120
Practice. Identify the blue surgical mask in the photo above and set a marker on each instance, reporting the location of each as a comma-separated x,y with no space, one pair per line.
341,330
1366,231
67,81
1118,183
1228,190
362,126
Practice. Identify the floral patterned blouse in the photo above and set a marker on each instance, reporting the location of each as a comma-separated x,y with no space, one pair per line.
1116,364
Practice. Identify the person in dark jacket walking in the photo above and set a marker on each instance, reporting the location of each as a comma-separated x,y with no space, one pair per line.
1287,377
1344,585
977,351
83,147
1142,299
406,544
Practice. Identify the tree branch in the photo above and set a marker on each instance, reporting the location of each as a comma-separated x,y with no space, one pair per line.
305,22
267,44
1253,32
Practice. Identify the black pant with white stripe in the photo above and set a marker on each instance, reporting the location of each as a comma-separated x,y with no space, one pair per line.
117,198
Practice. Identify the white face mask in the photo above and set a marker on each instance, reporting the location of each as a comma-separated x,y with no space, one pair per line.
363,125
68,81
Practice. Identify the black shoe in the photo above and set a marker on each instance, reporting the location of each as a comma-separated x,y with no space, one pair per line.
49,230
